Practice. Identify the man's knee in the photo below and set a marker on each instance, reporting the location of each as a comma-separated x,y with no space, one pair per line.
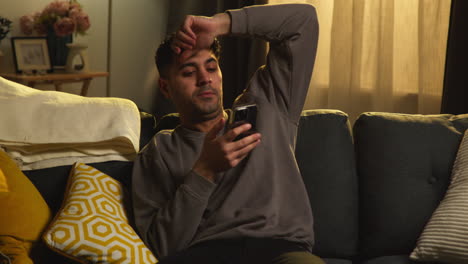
298,257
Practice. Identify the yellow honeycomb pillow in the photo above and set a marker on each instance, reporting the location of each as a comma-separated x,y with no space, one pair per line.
92,225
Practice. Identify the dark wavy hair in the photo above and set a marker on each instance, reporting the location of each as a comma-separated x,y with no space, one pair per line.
165,55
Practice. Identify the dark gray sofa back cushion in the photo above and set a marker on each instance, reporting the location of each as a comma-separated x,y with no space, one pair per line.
404,164
325,155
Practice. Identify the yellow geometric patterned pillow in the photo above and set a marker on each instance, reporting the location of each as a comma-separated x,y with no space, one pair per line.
92,225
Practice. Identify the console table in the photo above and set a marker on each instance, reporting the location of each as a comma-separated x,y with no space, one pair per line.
57,79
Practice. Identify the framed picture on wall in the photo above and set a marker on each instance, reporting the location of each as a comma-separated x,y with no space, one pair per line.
31,54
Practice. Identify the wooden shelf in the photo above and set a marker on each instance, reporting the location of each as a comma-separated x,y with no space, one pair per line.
57,79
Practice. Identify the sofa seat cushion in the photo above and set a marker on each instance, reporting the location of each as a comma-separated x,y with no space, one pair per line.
336,261
404,163
395,259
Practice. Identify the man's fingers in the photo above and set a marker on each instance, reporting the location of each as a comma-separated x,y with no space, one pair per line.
178,46
245,144
187,27
243,152
233,133
248,144
185,38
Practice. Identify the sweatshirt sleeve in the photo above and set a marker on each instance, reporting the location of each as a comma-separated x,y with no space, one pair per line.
292,33
166,216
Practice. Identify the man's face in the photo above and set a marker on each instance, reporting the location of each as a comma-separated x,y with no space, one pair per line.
195,86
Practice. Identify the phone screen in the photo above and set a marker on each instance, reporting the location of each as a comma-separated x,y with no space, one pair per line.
244,114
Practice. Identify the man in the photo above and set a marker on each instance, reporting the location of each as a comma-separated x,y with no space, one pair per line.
199,195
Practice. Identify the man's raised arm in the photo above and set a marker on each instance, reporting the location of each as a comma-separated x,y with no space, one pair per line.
292,33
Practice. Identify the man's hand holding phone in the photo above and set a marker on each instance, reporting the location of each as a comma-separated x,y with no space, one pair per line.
222,152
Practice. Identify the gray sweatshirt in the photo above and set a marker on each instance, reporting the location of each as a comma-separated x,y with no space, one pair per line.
264,195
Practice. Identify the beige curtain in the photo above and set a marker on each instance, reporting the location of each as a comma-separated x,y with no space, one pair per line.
379,55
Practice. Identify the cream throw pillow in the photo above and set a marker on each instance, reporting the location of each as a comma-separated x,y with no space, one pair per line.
92,226
445,237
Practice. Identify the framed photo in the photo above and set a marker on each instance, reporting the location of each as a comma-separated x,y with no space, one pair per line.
31,54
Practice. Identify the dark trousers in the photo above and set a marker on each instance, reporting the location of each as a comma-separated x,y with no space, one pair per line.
244,251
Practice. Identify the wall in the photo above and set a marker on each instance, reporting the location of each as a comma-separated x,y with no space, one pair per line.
137,29
122,40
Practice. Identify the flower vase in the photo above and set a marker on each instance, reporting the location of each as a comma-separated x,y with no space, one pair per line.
58,50
77,60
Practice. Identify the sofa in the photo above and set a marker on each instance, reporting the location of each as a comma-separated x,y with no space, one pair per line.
372,186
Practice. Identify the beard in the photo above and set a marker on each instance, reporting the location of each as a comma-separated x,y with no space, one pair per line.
206,108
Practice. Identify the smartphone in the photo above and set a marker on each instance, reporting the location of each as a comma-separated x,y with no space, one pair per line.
244,114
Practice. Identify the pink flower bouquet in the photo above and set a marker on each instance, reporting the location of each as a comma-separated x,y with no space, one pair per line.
64,17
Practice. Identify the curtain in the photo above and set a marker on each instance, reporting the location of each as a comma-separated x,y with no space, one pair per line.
455,95
379,55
